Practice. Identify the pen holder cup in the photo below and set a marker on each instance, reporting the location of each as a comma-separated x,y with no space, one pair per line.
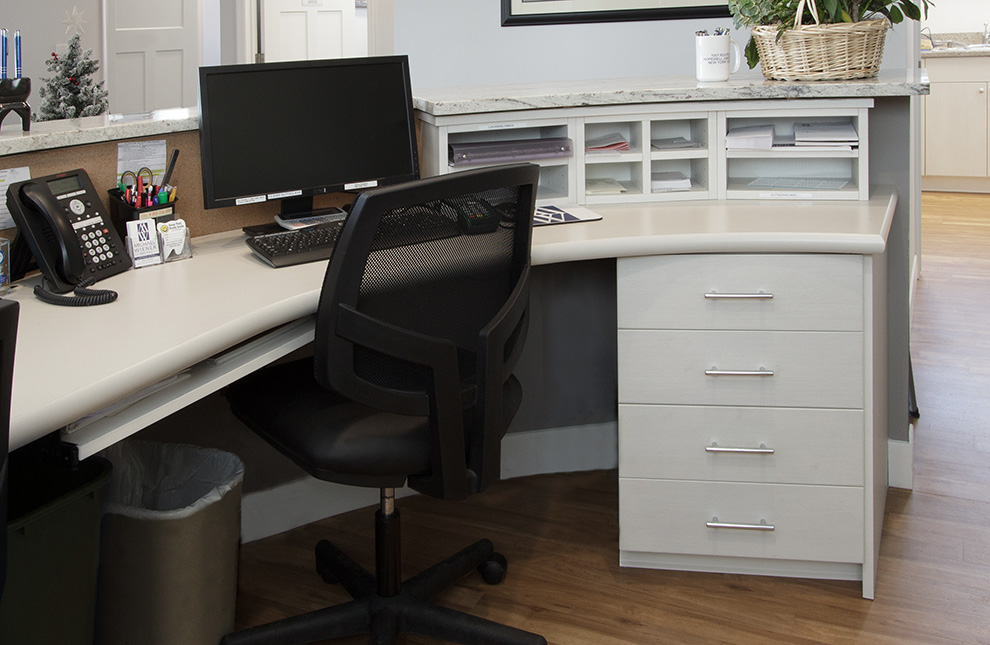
14,93
121,212
14,90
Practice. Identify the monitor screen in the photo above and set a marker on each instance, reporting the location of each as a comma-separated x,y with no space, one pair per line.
290,130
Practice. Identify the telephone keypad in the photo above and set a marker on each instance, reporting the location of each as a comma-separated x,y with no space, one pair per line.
100,252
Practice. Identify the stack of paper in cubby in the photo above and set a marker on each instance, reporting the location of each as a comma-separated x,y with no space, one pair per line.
837,136
612,142
603,186
749,137
673,143
667,181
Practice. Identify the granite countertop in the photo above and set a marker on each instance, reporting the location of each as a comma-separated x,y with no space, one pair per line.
965,38
47,135
659,89
495,98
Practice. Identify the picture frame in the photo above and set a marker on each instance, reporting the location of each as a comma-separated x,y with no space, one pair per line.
551,12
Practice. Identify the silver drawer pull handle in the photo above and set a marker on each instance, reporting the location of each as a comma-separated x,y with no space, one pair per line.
762,450
759,295
762,526
714,371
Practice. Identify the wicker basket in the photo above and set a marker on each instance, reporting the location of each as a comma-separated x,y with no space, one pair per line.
819,52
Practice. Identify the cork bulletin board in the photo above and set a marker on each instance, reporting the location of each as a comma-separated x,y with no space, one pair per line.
99,160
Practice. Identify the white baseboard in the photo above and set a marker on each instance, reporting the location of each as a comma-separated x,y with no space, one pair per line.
955,184
284,507
900,462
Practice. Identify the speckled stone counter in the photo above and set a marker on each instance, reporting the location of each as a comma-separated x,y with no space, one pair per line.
972,41
49,135
657,89
496,98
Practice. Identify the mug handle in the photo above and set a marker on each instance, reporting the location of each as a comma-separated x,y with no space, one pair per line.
738,52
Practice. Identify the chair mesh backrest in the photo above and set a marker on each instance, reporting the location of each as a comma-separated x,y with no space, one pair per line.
424,309
449,287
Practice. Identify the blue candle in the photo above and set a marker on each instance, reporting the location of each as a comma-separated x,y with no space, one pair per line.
3,53
17,52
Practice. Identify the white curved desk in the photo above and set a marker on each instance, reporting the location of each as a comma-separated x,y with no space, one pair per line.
183,318
189,328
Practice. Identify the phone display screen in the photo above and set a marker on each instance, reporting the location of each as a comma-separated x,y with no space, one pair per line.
65,185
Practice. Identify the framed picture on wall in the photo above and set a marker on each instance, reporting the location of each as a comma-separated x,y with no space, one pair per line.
549,12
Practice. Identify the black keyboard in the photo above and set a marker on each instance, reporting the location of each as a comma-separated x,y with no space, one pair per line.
285,248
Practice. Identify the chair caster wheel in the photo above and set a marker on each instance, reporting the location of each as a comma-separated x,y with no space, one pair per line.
493,569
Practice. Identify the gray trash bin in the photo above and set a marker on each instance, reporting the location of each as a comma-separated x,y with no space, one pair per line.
171,530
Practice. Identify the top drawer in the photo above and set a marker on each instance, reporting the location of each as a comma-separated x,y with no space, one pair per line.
744,292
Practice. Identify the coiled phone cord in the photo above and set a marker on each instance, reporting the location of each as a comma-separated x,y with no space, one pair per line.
84,296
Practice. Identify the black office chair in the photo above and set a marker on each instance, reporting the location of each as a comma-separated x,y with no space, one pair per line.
8,337
421,319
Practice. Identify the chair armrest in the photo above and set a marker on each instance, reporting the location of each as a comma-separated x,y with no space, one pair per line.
495,366
446,419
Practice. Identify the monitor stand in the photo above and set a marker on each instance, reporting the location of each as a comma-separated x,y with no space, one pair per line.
298,212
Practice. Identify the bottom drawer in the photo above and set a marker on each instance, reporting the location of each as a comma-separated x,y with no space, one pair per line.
794,522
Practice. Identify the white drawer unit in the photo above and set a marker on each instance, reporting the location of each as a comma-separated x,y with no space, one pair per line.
786,292
767,368
785,521
744,444
751,428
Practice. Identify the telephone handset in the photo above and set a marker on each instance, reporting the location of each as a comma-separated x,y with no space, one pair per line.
68,230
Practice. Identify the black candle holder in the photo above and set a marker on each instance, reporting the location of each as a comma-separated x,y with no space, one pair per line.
13,98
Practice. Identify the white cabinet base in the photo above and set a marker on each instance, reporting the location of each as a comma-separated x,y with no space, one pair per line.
746,566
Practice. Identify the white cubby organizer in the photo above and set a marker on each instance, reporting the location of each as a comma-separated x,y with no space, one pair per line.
678,137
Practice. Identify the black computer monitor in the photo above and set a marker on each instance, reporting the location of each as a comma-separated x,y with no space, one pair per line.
290,130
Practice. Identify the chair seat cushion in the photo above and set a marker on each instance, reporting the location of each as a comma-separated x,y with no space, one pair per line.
331,437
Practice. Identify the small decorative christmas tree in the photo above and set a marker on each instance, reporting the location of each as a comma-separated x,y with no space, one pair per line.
71,92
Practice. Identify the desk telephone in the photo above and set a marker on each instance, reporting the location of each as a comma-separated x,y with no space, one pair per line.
68,230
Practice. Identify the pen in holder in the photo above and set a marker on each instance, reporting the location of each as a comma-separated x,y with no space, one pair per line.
14,93
122,212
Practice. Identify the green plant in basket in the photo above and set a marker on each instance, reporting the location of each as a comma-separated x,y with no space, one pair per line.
784,14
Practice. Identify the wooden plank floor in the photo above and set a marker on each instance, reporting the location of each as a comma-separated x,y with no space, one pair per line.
560,532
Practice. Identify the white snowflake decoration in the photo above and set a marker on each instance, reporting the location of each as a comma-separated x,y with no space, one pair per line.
74,21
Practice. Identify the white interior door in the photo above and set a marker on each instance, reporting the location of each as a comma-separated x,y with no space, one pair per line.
153,53
308,29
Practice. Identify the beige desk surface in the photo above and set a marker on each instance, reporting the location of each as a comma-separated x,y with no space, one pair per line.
171,319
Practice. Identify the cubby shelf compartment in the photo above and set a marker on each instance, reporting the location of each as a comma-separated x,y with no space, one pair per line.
685,137
796,168
557,175
675,141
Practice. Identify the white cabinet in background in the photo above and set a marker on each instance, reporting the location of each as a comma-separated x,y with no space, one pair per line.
957,123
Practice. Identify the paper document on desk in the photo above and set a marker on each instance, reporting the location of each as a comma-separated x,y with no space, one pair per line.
9,176
561,215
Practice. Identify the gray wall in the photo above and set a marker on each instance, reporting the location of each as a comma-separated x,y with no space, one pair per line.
42,31
462,42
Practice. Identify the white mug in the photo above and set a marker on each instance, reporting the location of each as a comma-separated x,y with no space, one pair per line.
712,57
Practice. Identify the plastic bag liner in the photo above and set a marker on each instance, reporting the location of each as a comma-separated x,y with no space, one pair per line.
167,481
169,548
